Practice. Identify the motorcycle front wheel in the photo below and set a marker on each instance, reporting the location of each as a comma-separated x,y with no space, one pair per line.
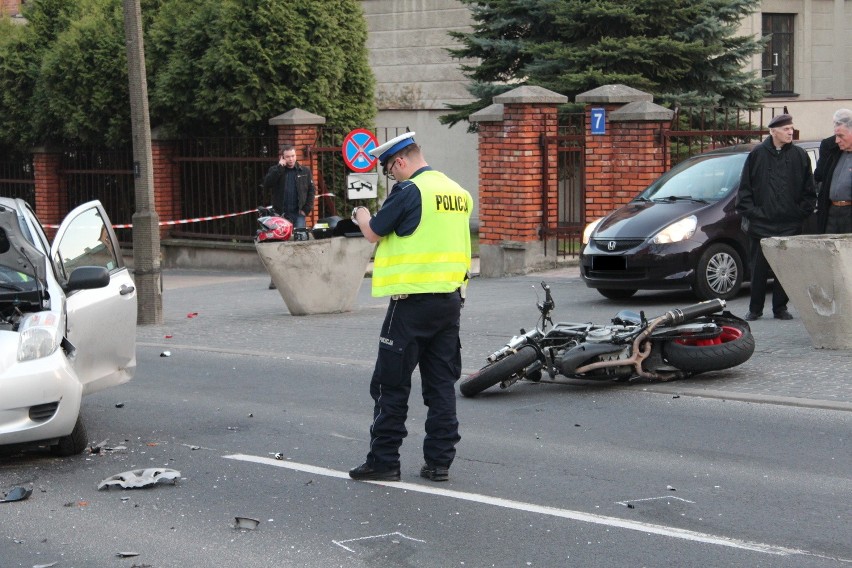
497,372
734,346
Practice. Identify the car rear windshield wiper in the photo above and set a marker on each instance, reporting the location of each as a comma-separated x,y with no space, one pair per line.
681,198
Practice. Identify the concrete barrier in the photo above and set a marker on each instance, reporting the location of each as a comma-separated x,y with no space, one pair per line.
319,276
816,272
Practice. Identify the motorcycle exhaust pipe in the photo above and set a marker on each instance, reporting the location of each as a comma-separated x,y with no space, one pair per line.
680,315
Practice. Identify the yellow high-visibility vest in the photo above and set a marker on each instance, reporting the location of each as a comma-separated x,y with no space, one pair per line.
436,256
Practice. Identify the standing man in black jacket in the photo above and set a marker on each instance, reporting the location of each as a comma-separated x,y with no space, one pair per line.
775,197
292,186
834,171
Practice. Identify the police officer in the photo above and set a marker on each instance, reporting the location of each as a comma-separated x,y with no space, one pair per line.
422,263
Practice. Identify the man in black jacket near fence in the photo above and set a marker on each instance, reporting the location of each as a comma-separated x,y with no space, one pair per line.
292,186
775,197
834,172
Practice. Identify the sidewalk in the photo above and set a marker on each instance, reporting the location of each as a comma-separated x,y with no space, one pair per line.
237,313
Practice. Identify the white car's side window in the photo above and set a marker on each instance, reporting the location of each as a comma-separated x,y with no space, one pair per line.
86,243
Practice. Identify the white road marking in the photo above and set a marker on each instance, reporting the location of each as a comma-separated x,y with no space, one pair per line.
672,532
652,499
341,545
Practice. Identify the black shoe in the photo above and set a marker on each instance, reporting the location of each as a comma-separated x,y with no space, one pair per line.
783,315
367,472
751,316
435,472
272,285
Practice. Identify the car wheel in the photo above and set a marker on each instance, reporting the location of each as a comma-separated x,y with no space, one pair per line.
616,294
719,273
73,443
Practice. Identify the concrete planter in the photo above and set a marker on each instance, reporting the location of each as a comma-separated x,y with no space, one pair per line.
816,272
319,276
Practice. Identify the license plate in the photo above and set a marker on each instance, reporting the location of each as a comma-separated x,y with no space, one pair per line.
608,263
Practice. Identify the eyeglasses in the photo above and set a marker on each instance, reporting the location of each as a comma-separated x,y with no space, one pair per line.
389,168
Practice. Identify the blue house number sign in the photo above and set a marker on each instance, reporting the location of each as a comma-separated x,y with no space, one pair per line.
598,121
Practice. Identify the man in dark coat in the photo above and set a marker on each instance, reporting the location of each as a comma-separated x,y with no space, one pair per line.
775,197
834,172
292,186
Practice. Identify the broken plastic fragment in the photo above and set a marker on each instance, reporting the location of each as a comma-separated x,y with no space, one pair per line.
670,488
126,554
166,354
140,478
245,523
192,314
16,494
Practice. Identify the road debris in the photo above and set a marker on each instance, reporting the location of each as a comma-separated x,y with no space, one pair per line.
166,354
16,494
140,478
126,554
245,523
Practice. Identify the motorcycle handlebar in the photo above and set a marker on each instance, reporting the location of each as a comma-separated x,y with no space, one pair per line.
681,315
549,304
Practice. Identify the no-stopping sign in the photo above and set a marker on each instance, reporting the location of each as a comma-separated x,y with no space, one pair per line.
356,147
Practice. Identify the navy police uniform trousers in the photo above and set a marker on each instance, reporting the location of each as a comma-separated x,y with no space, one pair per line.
422,329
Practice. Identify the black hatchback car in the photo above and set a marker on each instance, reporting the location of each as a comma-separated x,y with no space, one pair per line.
680,233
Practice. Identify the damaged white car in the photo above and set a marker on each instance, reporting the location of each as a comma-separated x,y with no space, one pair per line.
67,323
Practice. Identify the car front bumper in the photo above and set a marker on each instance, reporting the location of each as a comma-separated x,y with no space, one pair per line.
39,399
645,267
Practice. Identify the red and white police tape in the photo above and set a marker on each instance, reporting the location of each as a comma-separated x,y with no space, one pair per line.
194,219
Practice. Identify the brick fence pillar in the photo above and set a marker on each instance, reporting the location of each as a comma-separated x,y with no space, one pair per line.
301,129
511,166
167,194
629,155
51,195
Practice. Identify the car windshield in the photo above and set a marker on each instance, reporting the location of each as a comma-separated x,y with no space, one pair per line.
708,179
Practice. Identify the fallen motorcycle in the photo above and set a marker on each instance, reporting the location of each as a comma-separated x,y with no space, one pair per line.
676,345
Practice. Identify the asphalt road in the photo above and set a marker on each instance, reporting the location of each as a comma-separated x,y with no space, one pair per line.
546,475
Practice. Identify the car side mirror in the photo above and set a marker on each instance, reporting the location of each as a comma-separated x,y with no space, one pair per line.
87,278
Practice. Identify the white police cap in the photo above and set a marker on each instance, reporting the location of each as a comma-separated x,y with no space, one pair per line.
392,146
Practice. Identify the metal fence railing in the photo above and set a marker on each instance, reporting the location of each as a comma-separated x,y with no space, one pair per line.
569,145
697,129
106,175
222,177
16,178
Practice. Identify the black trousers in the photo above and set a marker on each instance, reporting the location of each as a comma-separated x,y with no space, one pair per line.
421,330
760,272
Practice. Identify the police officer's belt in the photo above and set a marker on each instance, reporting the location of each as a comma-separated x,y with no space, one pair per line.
434,294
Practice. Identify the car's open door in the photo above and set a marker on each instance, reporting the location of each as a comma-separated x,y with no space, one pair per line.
101,322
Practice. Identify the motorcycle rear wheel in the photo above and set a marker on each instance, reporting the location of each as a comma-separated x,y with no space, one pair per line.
733,347
497,372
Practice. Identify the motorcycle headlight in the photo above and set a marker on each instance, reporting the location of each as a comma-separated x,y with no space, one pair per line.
40,335
676,232
590,228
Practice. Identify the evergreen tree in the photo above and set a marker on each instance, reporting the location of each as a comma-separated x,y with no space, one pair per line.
681,51
215,67
231,65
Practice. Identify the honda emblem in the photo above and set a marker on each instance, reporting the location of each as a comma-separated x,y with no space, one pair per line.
610,245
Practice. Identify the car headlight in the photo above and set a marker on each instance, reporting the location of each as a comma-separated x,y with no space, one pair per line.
590,228
40,335
677,232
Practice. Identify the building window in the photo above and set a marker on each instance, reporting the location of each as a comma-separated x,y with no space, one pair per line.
778,56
